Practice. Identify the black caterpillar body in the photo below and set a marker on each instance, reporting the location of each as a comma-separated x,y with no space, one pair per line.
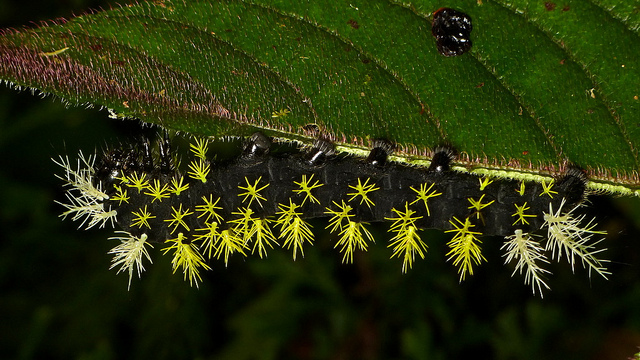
238,205
339,172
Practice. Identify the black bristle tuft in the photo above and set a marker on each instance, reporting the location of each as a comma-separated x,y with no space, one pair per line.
380,152
442,158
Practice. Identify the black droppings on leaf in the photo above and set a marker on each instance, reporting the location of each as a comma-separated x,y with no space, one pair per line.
452,30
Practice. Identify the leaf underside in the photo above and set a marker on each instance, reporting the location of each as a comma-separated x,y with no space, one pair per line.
544,85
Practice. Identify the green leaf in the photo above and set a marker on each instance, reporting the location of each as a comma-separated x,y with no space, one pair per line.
544,85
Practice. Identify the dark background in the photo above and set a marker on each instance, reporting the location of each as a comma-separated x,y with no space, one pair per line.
58,300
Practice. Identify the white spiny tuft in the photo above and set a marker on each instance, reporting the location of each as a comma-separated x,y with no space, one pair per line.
102,218
89,210
85,195
566,235
528,253
82,178
128,255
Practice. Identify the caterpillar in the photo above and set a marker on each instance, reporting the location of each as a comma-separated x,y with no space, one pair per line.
262,198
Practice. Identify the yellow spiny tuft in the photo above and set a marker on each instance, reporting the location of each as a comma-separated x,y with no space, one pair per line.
199,170
340,217
293,229
120,195
527,253
128,255
249,227
228,243
464,247
134,180
242,225
123,179
186,255
566,235
177,218
353,236
406,242
216,242
142,218
209,209
306,187
157,192
484,182
521,189
280,113
363,191
209,238
521,216
263,236
477,205
252,192
546,189
425,194
199,148
177,186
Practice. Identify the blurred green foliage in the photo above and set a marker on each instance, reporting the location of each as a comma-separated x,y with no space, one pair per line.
59,301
